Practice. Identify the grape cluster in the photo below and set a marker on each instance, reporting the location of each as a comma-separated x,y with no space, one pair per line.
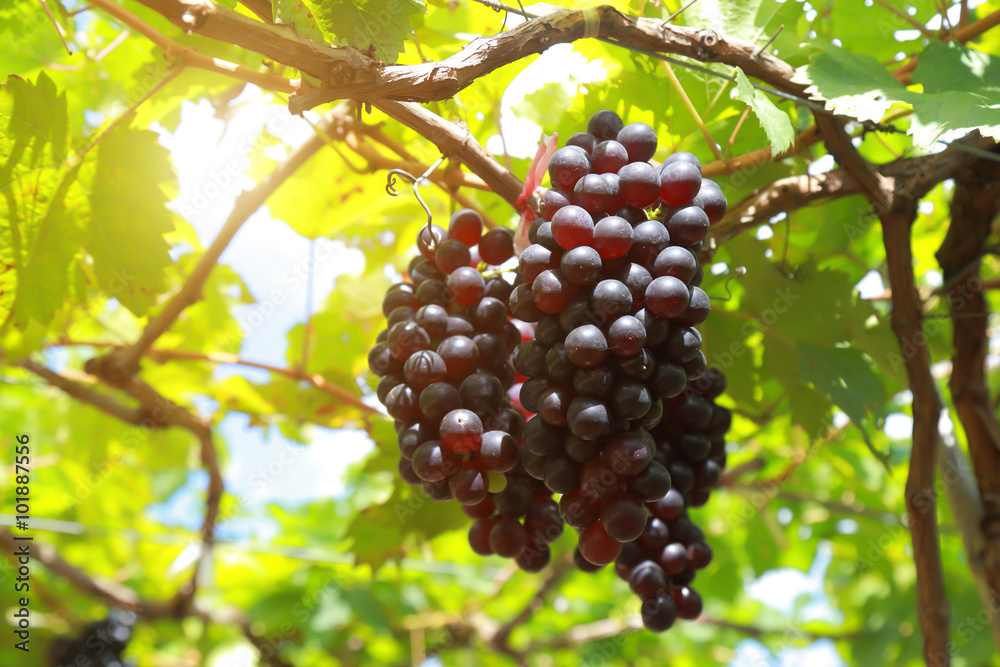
661,564
101,644
445,371
594,341
612,280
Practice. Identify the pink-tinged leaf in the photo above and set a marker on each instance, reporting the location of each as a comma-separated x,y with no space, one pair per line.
532,182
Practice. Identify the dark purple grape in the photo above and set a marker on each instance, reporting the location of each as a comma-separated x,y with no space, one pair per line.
481,510
616,196
531,391
669,507
687,225
673,558
461,431
637,279
466,226
459,326
428,241
683,156
403,403
562,474
669,379
628,453
543,522
595,382
481,392
651,484
460,354
568,165
610,300
598,480
543,237
648,241
405,469
385,385
469,486
639,140
612,237
572,226
432,462
582,265
626,336
659,613
557,364
586,346
581,450
711,200
434,320
639,184
667,297
633,215
552,200
588,418
654,535
689,603
583,564
541,437
584,140
437,400
698,307
424,368
515,500
400,314
679,183
529,358
647,580
577,510
608,157
466,285
597,546
406,339
533,260
605,125
699,555
496,246
381,361
522,305
534,558
592,194
479,536
508,538
552,291
553,405
675,261
451,254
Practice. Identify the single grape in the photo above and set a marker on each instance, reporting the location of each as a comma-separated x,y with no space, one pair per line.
680,181
406,339
647,580
659,613
654,535
460,355
572,226
403,403
428,241
588,418
648,241
496,246
479,536
533,558
612,237
651,484
522,305
592,194
562,474
616,196
568,165
639,184
466,226
608,157
610,300
639,140
711,200
515,500
553,405
466,285
605,125
689,603
552,291
582,265
673,558
551,201
584,140
586,346
699,555
452,254
623,517
687,225
481,392
626,336
698,307
424,368
533,260
630,400
432,462
675,261
597,546
437,400
598,480
469,486
669,507
667,297
461,431
543,522
577,510
628,453
508,538
541,437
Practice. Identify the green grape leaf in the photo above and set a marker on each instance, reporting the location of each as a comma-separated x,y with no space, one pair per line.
845,376
44,280
775,122
850,84
129,218
296,14
381,26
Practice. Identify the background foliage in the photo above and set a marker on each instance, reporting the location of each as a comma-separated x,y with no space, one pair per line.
105,211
